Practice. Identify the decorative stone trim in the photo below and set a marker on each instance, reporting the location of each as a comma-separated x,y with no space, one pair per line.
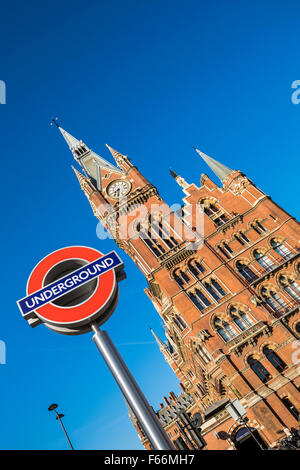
176,258
248,337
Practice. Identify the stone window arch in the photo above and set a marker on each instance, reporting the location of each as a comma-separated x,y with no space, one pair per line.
179,322
241,317
225,249
290,286
273,299
224,329
196,267
258,226
282,249
265,260
181,277
273,358
199,299
257,367
244,269
214,211
241,237
214,288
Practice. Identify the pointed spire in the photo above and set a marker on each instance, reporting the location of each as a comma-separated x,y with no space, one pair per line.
83,180
79,175
119,157
220,170
162,346
181,181
89,160
72,142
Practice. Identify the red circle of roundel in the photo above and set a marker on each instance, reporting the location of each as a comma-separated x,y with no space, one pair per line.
77,314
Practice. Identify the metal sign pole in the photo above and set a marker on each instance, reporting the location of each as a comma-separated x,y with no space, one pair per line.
131,390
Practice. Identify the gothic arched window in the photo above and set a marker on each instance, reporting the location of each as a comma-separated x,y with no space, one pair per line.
178,279
184,276
246,272
196,301
204,354
275,360
274,300
159,230
196,268
264,260
240,318
259,369
214,212
202,297
226,250
152,243
290,286
224,329
281,249
215,289
258,227
244,237
180,322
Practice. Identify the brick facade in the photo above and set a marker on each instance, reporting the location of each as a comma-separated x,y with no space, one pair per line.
227,291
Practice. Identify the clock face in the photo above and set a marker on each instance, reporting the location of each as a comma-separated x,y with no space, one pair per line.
118,188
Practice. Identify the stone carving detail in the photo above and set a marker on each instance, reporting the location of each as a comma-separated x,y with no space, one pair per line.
248,337
239,184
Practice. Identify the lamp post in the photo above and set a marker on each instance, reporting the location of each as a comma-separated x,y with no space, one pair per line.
59,416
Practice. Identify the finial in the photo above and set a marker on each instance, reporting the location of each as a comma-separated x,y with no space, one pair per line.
54,121
181,181
173,173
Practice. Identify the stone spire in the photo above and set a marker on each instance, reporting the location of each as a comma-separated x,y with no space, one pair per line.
84,182
91,163
79,150
162,346
72,142
220,170
122,161
181,181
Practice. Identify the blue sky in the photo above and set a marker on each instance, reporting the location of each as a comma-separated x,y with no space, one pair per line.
152,79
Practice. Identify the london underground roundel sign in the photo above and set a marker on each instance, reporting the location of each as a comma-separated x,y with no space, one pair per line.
71,288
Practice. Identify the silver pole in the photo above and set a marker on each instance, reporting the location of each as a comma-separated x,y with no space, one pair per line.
131,390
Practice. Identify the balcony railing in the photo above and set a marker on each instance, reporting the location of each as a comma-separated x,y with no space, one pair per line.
247,335
254,271
281,310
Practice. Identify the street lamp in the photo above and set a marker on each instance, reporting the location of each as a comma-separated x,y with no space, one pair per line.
59,416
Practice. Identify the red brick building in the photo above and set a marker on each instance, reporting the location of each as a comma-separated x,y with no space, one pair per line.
223,274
